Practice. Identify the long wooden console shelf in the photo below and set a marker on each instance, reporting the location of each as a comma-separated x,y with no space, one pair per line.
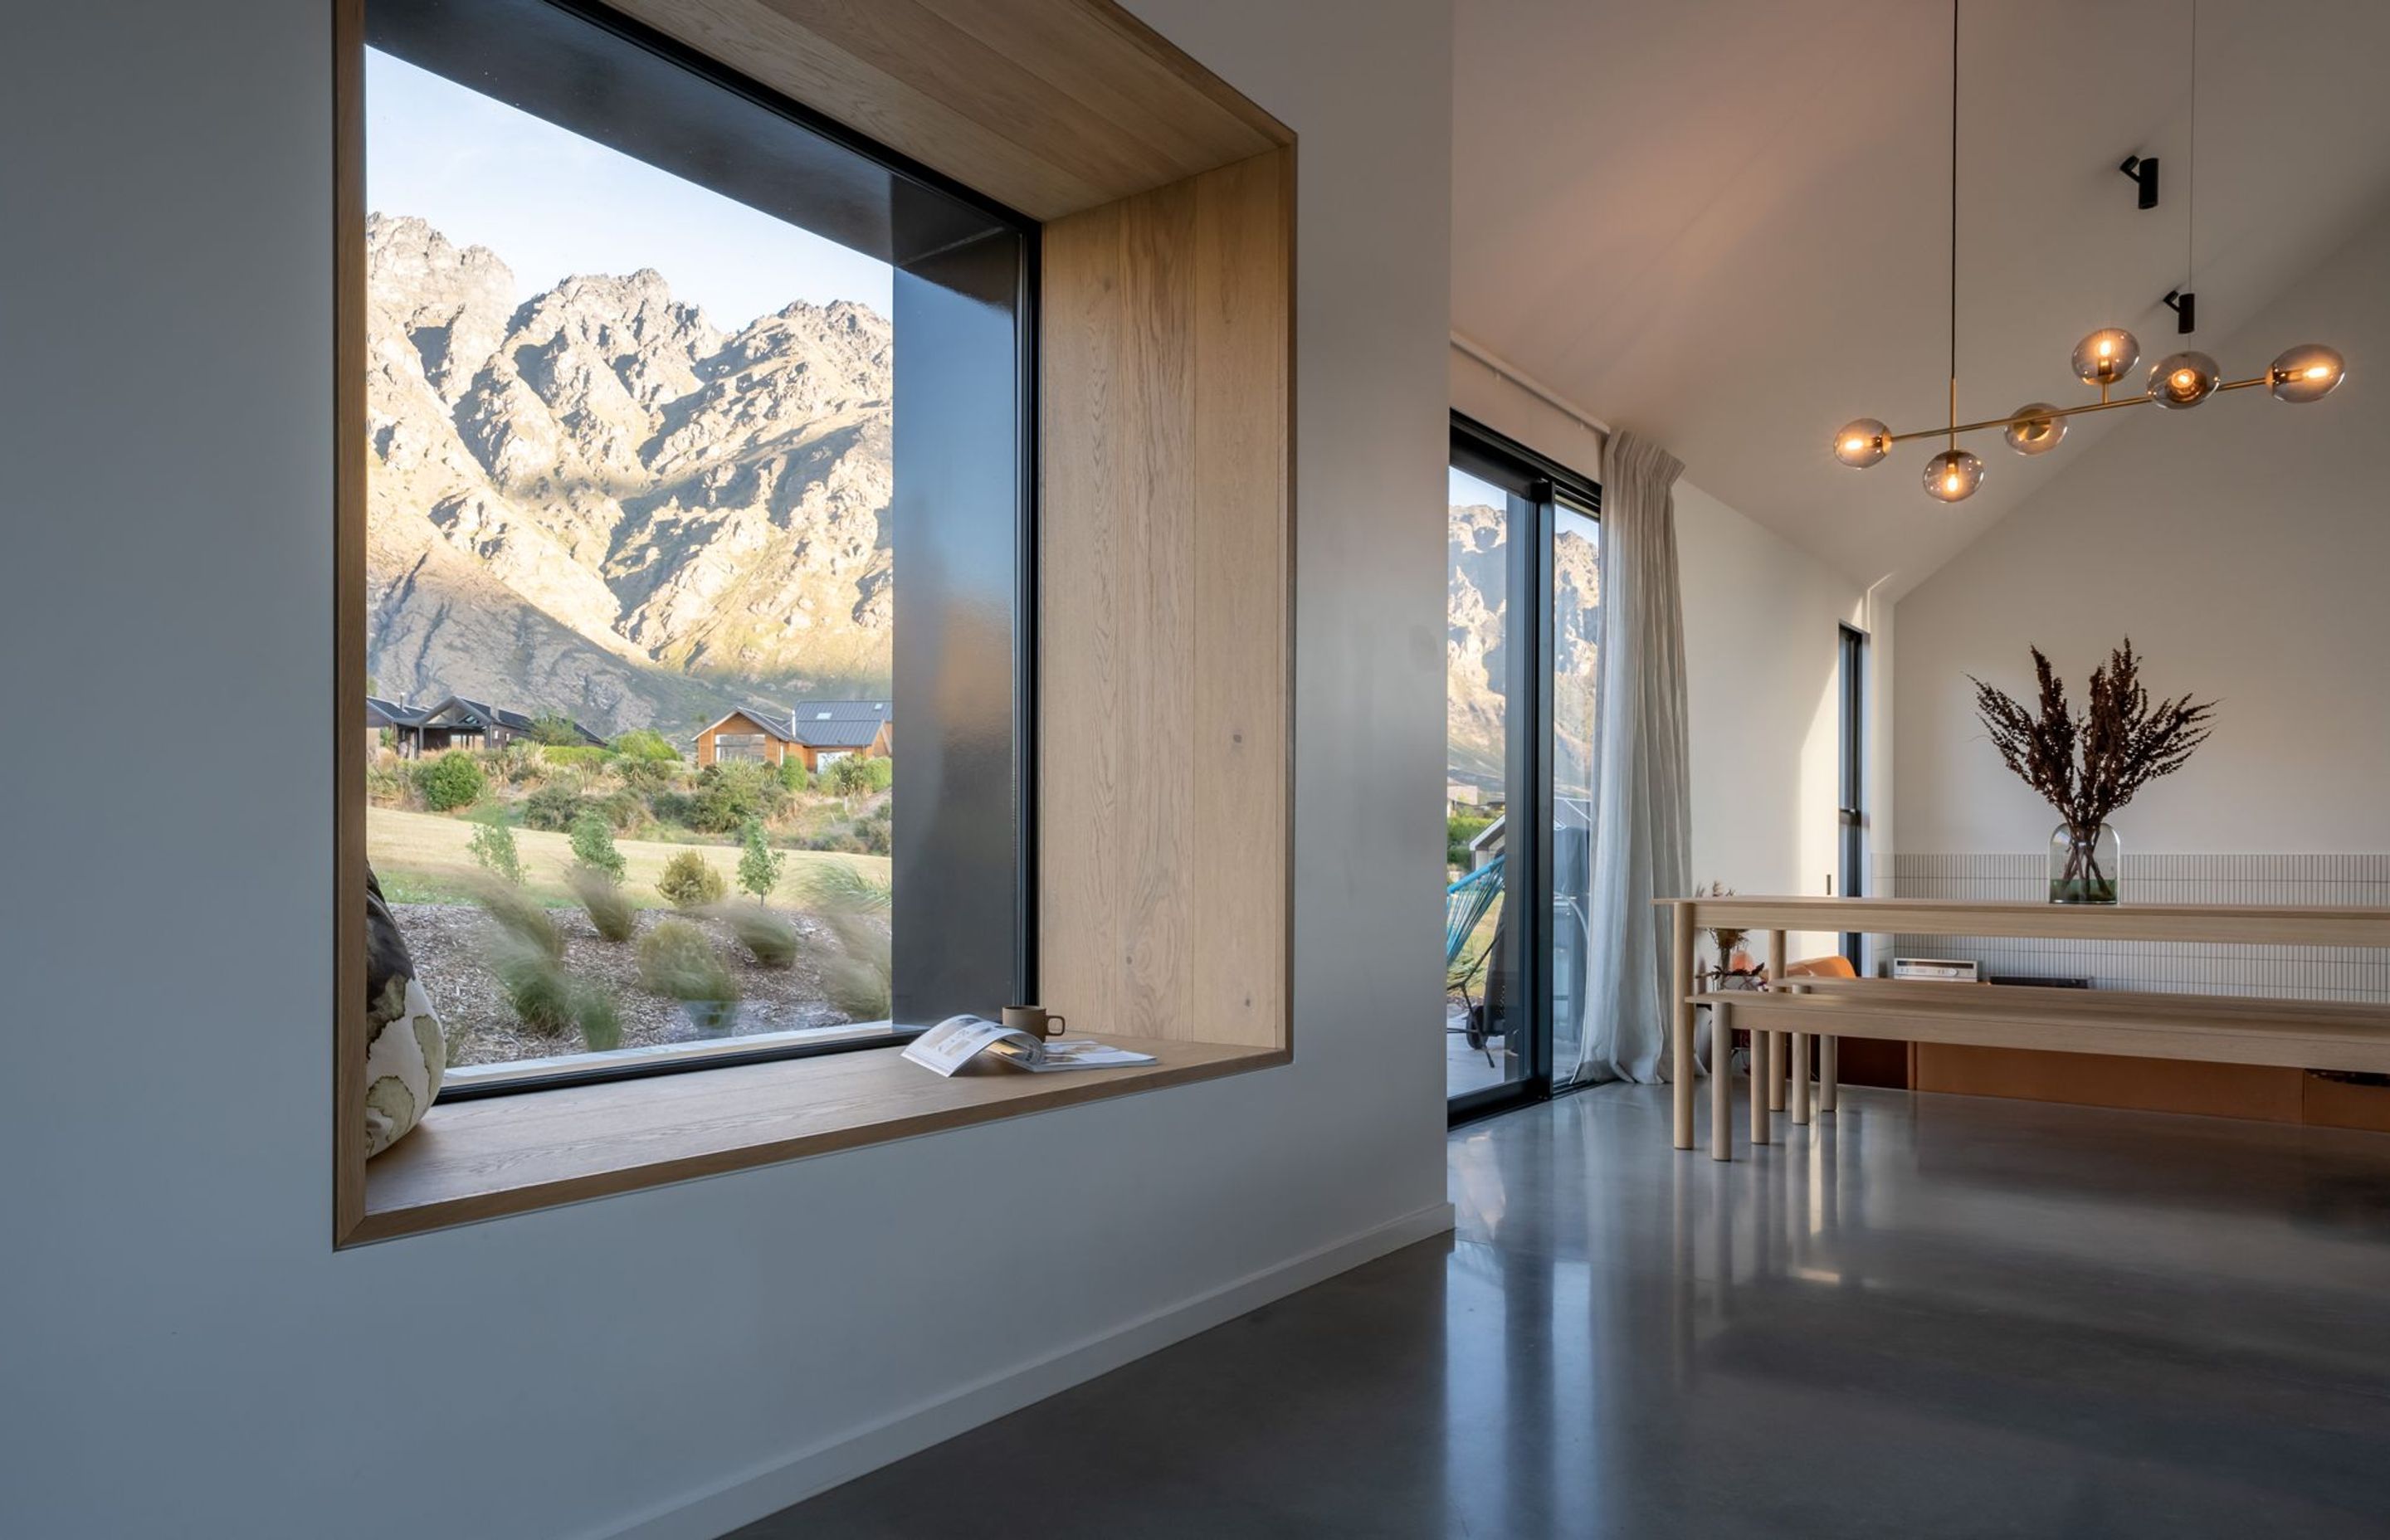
2310,1035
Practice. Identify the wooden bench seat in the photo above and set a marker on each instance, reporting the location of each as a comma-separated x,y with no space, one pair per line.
2310,1035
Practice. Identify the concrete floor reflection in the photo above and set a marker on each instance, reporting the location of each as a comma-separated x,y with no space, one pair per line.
1927,1317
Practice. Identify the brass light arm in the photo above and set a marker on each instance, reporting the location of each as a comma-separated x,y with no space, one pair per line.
2143,399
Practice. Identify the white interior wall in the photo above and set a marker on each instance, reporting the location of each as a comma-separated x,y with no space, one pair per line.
1761,642
187,1355
2242,546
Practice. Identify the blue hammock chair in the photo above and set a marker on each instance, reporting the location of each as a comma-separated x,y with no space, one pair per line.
1465,903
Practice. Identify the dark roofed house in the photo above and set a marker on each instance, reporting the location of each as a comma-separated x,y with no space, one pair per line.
818,732
458,723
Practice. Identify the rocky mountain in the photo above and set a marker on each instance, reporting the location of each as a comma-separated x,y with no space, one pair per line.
595,502
1476,636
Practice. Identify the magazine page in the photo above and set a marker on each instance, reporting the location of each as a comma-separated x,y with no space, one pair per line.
1077,1053
956,1040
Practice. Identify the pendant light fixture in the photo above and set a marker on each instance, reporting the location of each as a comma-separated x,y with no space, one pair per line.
2178,382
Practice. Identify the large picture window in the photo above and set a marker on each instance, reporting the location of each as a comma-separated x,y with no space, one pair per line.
689,417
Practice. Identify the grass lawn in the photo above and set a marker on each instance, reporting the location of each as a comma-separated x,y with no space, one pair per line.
427,859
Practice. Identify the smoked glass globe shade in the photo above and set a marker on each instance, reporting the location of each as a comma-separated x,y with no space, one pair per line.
1953,475
2102,357
1862,442
2309,372
2184,380
2032,430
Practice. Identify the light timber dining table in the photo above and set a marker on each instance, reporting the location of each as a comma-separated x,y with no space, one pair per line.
1785,1016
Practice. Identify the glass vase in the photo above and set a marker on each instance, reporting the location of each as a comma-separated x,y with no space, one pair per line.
2085,870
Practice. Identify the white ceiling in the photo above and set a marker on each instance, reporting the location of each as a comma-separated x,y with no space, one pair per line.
1725,223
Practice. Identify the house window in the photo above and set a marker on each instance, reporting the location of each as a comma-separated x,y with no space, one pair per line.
669,384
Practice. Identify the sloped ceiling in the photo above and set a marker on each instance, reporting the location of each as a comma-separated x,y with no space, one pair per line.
1725,223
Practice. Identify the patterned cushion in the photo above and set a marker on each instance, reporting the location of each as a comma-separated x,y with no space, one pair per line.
405,1053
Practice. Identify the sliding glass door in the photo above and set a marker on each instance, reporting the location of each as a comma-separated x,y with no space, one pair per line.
1521,684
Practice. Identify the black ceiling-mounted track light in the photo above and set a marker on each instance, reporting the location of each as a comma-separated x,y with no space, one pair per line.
2143,171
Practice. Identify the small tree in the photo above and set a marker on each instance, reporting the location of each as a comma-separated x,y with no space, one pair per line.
451,781
793,773
759,865
850,776
593,845
494,847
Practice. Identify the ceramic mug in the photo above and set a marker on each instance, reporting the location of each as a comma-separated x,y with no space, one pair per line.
1034,1021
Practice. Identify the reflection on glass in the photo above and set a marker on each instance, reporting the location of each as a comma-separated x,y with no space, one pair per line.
1480,944
1577,686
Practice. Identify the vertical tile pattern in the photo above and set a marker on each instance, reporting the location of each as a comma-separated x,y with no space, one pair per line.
2279,972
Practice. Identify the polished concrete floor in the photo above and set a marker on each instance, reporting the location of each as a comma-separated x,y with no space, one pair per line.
1940,1316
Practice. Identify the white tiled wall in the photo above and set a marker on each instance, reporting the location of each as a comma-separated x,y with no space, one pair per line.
2283,972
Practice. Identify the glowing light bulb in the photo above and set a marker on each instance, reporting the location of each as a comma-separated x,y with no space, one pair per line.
2309,372
2184,380
1953,475
2102,357
1862,442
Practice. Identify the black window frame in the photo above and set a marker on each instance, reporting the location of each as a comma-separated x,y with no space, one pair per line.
1850,794
1538,485
964,265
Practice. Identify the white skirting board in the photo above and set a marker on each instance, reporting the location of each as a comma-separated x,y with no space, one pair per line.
766,1489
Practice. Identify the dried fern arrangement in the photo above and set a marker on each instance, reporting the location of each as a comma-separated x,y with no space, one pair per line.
2089,765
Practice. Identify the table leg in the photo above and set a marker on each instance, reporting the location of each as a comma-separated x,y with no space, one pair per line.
1801,1077
1721,1084
1828,1073
1682,1061
1778,1060
1761,1071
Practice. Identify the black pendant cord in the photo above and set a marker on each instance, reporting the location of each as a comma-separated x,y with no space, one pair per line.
2190,180
1954,225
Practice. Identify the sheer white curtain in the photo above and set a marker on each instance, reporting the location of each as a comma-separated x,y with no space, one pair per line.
1643,845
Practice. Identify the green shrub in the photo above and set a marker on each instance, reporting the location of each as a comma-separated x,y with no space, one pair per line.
772,940
794,776
646,743
647,777
690,882
611,909
515,764
849,776
853,907
878,774
554,731
520,919
678,961
593,846
1459,829
494,847
549,1004
876,835
552,807
451,781
576,753
623,810
674,807
728,795
759,865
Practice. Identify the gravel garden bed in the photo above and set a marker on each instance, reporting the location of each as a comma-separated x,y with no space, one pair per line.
450,942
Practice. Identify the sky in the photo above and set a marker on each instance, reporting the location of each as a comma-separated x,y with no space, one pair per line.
552,204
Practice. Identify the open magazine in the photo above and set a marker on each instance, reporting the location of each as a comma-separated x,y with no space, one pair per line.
957,1040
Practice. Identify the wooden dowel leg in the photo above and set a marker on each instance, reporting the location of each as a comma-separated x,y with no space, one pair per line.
1682,1029
1778,1060
1828,1073
1801,1077
1721,1084
1760,1073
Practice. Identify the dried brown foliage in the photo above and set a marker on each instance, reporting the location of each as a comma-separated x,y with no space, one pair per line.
2087,765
